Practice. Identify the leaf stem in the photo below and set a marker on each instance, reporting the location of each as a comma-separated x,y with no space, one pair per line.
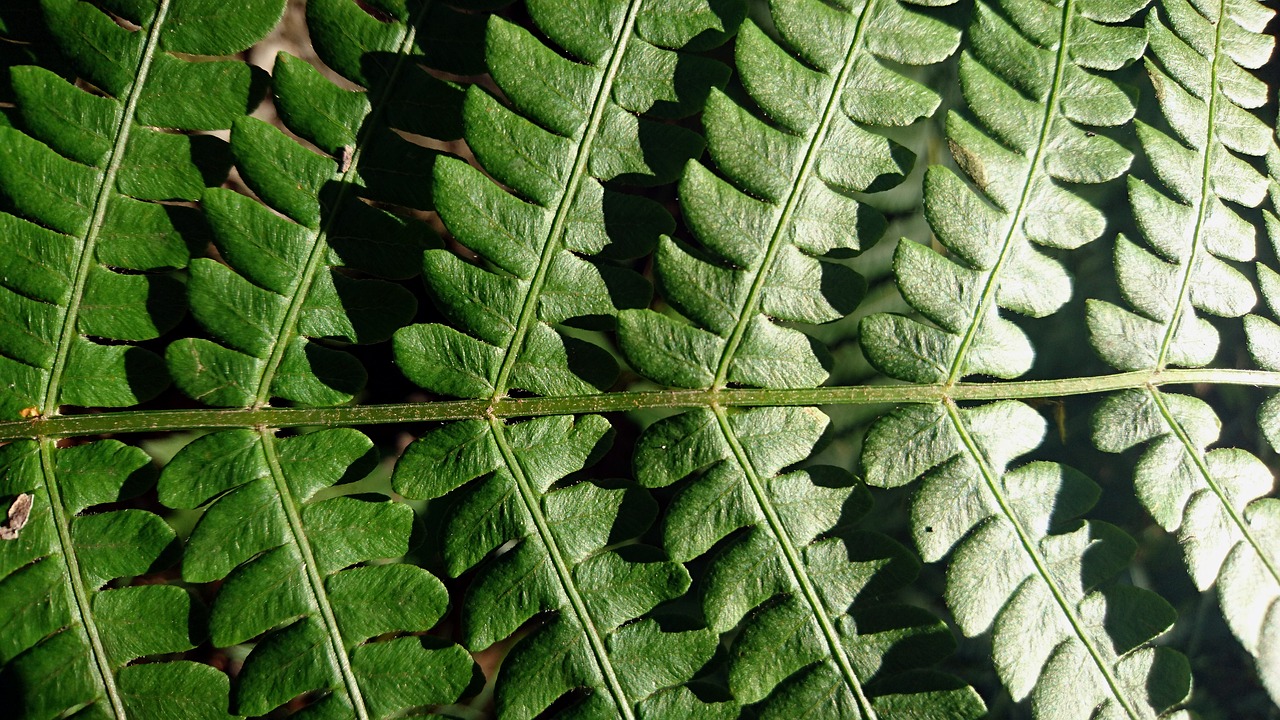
315,584
137,421
81,606
69,331
1030,546
992,282
795,568
752,301
552,243
533,506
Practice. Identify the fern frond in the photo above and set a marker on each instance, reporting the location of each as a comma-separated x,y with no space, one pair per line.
1031,83
558,554
82,265
286,285
295,576
569,128
1234,540
1213,499
763,231
83,254
1264,334
1198,76
802,586
1024,566
786,200
68,639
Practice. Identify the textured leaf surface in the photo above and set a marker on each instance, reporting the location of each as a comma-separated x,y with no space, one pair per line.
784,202
803,588
545,251
86,248
66,636
1213,499
296,576
573,123
1191,231
1033,80
555,553
308,269
1023,564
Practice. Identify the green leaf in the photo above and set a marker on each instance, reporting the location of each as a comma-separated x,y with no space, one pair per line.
1215,500
1033,87
86,249
558,554
573,123
783,201
295,574
1191,232
1023,564
68,635
801,587
292,293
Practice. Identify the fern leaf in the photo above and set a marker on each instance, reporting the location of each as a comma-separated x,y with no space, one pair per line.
569,128
506,490
1214,500
83,255
802,585
1262,333
1197,73
1231,541
1211,498
286,284
1031,82
1023,564
785,202
68,639
294,577
762,234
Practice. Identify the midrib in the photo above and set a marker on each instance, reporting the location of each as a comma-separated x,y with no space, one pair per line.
319,597
992,282
88,249
793,563
288,327
82,606
811,155
795,568
1184,288
1032,550
1203,204
532,502
553,243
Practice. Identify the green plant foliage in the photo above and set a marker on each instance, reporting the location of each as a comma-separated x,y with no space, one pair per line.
560,562
68,637
802,562
283,284
1022,567
1213,499
81,176
545,359
285,561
